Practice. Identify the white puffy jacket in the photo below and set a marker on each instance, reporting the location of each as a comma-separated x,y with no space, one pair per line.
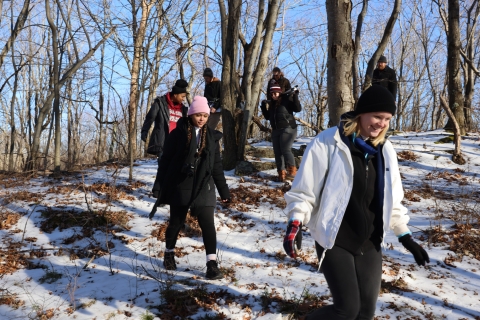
322,187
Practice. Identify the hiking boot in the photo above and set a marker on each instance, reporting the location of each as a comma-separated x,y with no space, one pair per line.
213,272
281,175
291,173
169,261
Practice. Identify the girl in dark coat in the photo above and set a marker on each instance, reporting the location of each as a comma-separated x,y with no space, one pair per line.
189,170
279,111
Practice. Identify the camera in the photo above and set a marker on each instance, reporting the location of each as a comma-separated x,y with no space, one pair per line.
188,169
292,90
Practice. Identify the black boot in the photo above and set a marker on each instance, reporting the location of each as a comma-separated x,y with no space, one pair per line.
169,261
213,272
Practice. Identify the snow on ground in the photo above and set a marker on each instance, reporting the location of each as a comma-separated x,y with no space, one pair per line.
74,266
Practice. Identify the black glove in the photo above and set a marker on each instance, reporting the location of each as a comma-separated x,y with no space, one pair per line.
292,238
144,137
420,255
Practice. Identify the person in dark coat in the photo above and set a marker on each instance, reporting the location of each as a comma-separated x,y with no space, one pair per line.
213,90
189,171
164,112
279,111
385,76
278,79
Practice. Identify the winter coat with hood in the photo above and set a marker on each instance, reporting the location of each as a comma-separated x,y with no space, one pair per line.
321,195
160,114
280,113
186,180
213,90
386,78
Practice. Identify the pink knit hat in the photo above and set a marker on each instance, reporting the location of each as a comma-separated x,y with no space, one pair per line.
199,104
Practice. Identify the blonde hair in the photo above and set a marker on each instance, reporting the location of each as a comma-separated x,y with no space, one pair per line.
352,125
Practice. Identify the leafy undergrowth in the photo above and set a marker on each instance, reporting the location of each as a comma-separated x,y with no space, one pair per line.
88,220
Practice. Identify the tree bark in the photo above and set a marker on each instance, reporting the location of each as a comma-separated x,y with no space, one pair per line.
138,36
358,35
455,97
457,135
254,68
230,31
340,57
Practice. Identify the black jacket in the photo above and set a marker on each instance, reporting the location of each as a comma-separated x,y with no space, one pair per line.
213,91
386,78
159,114
283,82
281,115
362,224
186,180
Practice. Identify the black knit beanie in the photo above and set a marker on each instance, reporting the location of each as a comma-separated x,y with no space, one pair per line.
376,99
208,73
180,86
382,59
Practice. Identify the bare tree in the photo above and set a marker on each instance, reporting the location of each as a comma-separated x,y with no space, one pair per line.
138,33
455,96
230,33
255,64
59,81
383,44
358,35
22,17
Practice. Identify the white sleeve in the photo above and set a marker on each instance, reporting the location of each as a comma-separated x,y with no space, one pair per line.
305,192
399,217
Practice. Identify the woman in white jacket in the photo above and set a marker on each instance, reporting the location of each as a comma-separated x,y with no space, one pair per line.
348,192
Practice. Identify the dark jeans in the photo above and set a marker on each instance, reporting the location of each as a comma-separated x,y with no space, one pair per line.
178,215
354,281
282,140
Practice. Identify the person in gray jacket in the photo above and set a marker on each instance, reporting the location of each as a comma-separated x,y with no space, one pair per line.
348,192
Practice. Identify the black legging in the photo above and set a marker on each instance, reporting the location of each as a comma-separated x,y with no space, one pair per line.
178,215
354,281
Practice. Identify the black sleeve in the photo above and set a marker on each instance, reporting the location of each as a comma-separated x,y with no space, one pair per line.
288,86
392,84
294,104
218,175
169,150
149,119
375,77
265,112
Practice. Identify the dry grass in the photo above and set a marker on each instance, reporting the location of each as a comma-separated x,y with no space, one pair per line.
64,219
407,155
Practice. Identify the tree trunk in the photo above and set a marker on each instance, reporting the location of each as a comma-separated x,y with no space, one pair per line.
230,31
340,57
138,36
455,97
358,35
457,135
254,69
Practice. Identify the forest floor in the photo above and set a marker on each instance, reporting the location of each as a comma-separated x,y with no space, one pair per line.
82,247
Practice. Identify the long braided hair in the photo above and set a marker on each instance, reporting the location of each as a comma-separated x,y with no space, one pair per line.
190,134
